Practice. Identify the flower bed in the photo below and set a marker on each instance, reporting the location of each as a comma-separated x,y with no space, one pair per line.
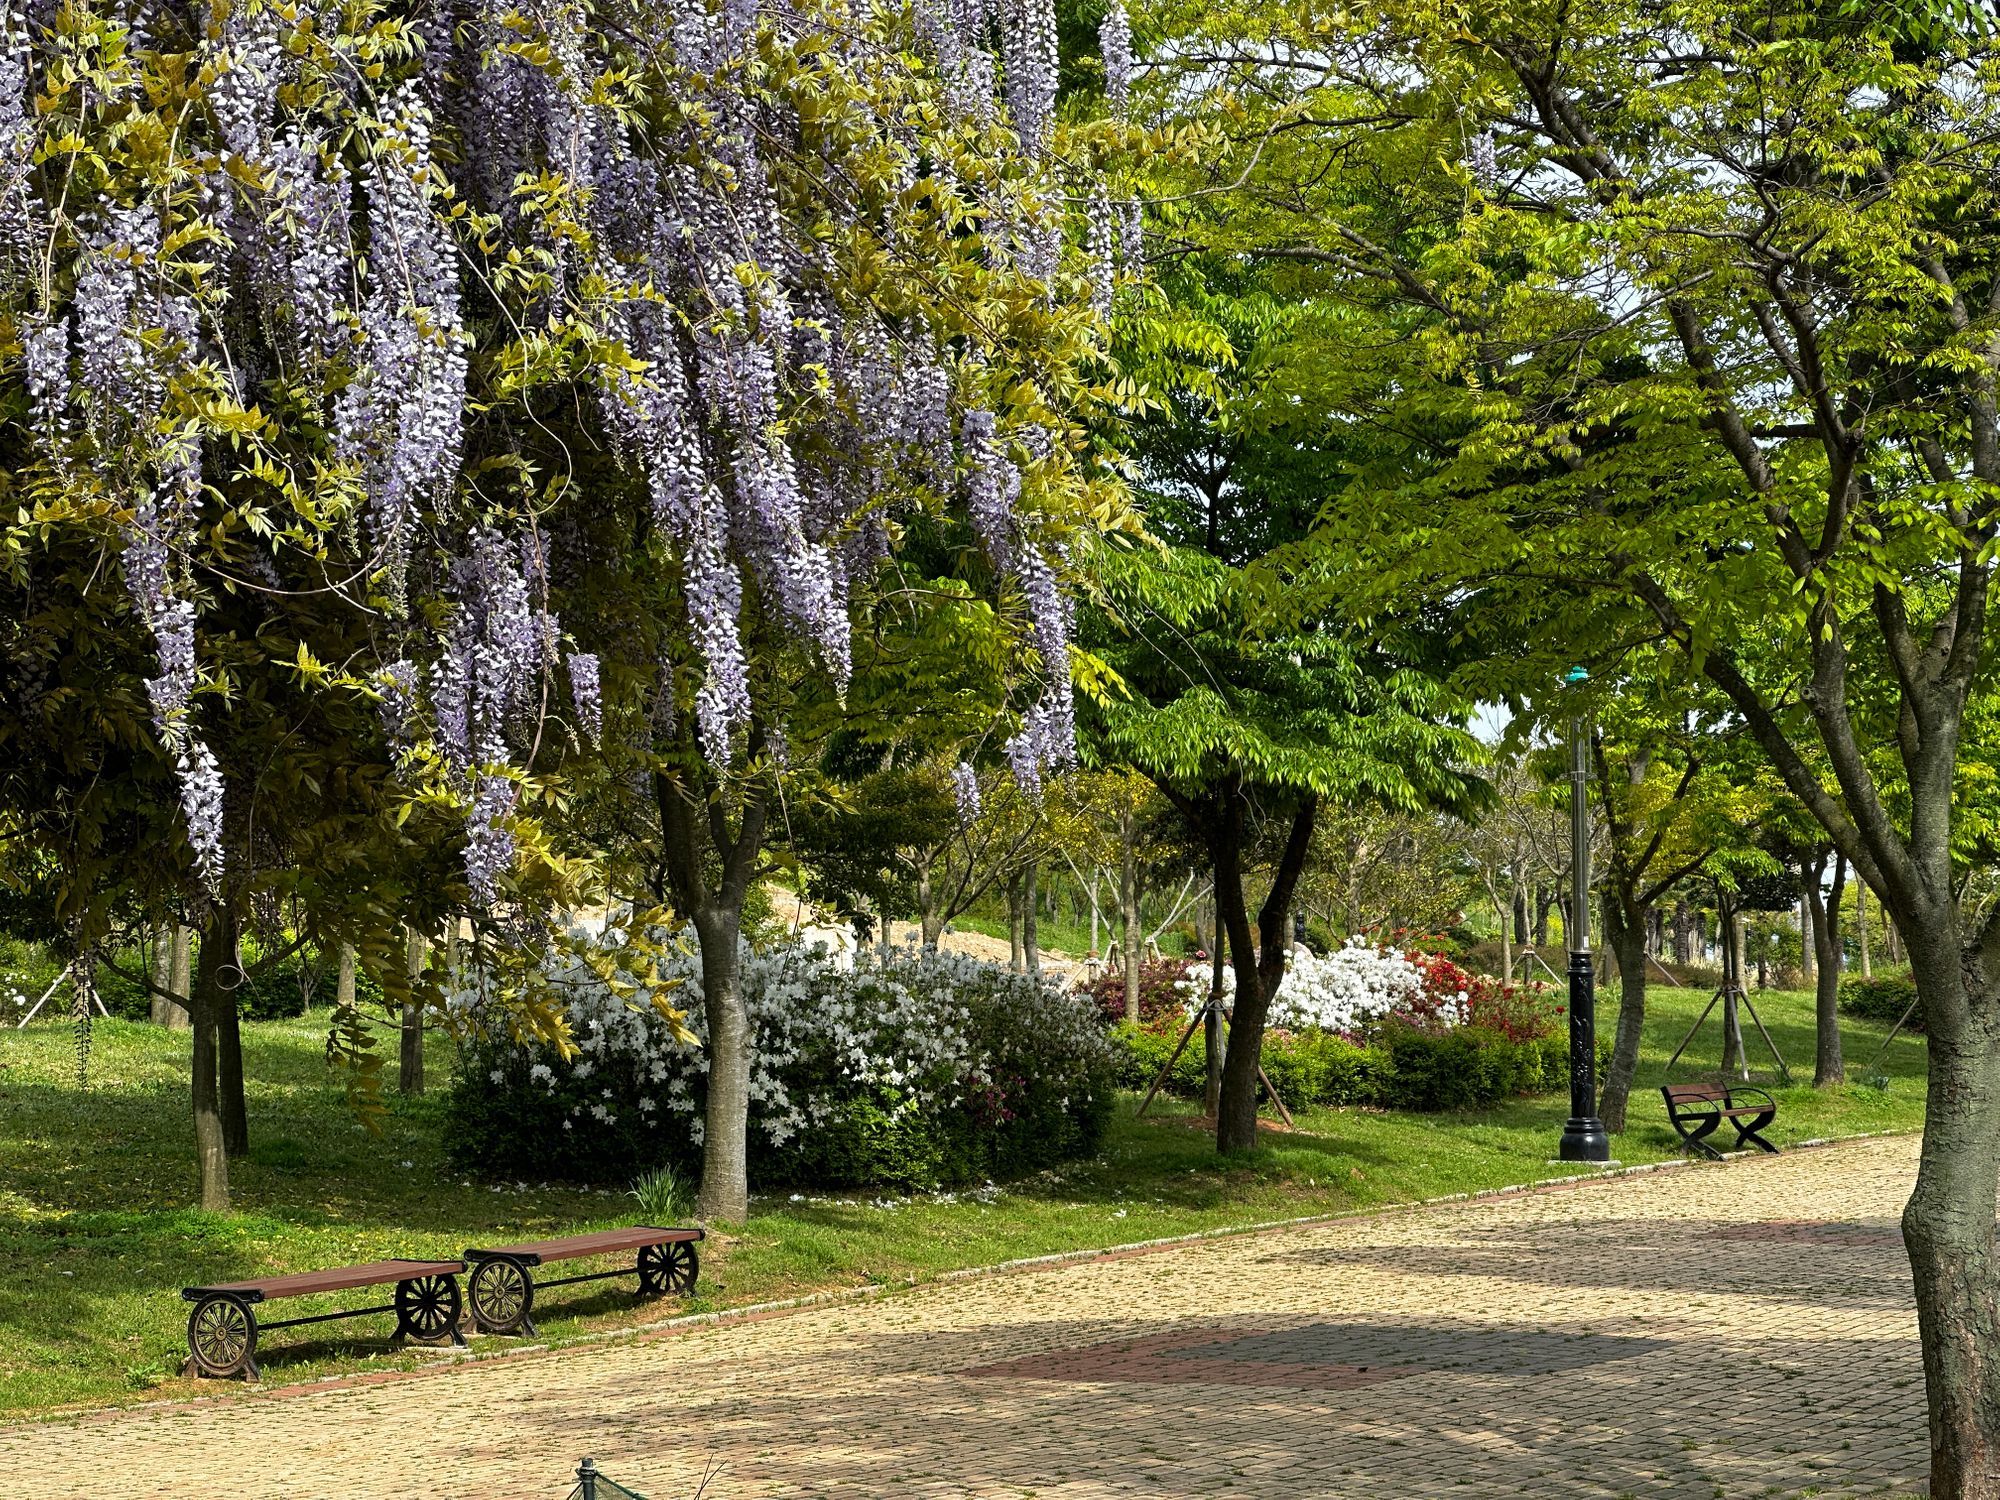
1378,1026
931,1069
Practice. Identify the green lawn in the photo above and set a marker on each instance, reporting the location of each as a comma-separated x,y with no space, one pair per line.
96,1236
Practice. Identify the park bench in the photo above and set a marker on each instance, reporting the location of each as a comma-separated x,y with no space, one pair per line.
223,1327
502,1284
1697,1108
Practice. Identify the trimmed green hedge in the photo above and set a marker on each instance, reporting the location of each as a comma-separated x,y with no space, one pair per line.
1403,1068
1883,998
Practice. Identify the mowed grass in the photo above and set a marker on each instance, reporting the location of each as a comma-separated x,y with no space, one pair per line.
97,1235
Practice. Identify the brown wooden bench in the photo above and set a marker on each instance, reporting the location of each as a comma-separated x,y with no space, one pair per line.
1697,1108
223,1327
502,1285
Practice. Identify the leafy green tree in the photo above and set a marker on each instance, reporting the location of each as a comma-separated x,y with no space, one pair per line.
1244,710
1695,309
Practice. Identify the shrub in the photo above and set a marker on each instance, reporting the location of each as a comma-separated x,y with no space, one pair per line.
1403,1066
1159,994
932,1069
1883,998
1467,1067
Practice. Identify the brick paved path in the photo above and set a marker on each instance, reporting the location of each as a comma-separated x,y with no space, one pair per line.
1727,1332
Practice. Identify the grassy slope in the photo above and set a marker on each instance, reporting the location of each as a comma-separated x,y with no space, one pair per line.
96,1236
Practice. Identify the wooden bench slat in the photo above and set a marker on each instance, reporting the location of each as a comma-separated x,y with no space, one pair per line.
576,1246
337,1279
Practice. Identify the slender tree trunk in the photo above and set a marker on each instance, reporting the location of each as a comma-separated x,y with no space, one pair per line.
161,971
1031,947
1625,935
1128,910
1861,924
343,981
211,1154
229,1033
1808,943
930,913
1016,952
1506,933
169,945
1211,1039
1732,1020
1829,1067
410,1059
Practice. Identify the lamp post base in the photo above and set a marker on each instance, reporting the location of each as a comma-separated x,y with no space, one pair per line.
1583,1139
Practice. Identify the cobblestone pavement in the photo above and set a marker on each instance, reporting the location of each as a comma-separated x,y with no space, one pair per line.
1733,1331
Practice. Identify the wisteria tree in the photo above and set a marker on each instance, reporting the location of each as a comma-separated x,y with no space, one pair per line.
414,316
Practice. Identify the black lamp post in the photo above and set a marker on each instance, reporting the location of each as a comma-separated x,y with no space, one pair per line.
1583,1137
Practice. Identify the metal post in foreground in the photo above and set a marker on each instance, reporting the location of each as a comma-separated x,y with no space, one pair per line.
586,1480
1583,1137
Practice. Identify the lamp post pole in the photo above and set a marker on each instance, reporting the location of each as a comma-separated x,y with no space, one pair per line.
1583,1137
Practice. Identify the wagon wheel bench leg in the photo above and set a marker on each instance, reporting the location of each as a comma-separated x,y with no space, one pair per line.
222,1339
427,1310
668,1270
503,1297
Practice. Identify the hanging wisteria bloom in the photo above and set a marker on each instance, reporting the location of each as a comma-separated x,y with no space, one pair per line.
587,694
965,792
352,310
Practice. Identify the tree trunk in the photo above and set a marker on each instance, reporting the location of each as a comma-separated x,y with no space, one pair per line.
1031,947
410,1059
1258,974
725,1152
211,1155
1861,923
1808,943
1823,904
171,959
1506,932
223,931
694,831
170,973
1128,911
343,981
1016,957
1732,1019
1211,1039
1948,1224
1625,935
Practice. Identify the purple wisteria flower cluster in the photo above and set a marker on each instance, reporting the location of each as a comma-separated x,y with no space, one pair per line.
363,204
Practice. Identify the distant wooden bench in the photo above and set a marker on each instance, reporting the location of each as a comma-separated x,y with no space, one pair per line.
502,1284
223,1327
1697,1108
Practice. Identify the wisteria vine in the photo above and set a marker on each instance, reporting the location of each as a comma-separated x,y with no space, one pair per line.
391,240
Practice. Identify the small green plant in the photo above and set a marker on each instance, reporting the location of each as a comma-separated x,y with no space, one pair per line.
1877,1081
662,1196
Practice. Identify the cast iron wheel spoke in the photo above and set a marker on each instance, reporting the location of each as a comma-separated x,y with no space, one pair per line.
668,1268
221,1335
501,1295
428,1306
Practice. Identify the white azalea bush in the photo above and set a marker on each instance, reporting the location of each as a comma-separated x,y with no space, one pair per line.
1345,991
926,1070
